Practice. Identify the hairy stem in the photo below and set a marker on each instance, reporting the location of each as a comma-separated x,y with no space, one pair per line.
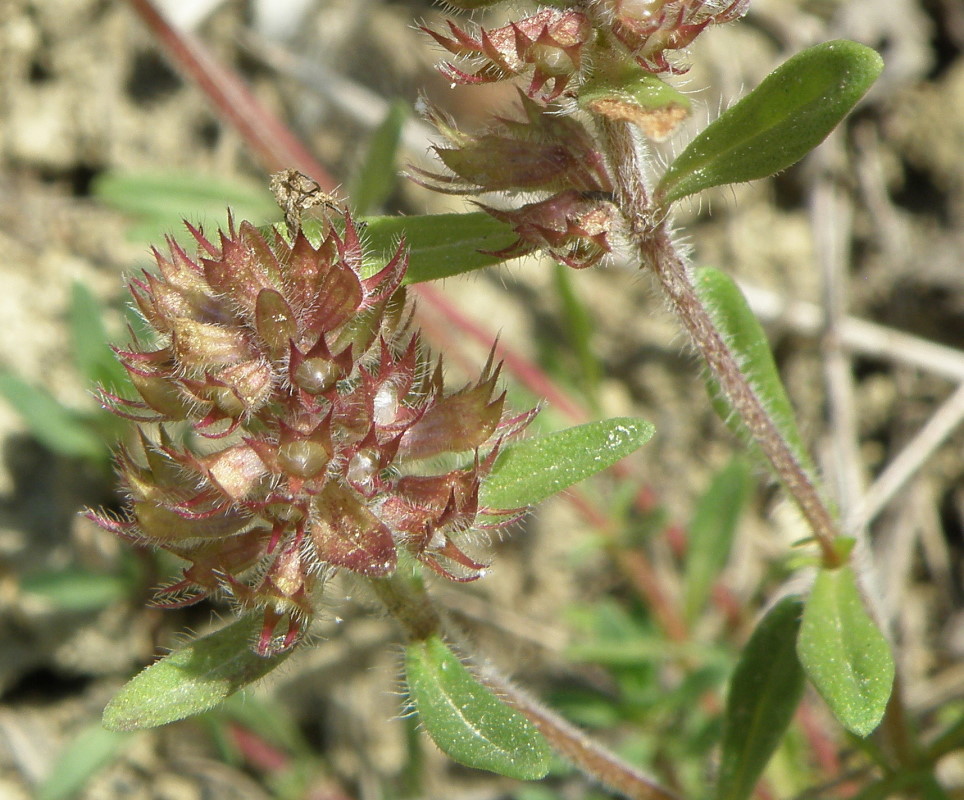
413,609
655,250
579,749
407,601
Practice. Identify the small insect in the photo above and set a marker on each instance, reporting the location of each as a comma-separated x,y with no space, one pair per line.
295,192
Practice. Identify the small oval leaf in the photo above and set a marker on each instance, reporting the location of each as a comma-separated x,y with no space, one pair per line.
778,123
745,336
535,469
466,720
193,679
763,695
844,653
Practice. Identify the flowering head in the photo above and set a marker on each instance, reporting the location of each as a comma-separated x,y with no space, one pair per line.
650,29
548,46
287,416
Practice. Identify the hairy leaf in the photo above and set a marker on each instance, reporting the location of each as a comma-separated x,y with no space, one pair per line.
778,123
746,337
442,245
466,720
192,679
535,469
845,655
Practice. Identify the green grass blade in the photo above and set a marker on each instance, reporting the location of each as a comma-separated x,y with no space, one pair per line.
764,692
57,427
85,755
377,177
711,532
159,201
78,590
466,720
95,360
579,330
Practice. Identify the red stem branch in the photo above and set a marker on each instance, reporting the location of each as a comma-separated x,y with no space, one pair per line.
655,250
270,140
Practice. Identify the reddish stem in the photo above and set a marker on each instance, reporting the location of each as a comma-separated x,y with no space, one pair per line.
528,373
582,751
272,143
655,251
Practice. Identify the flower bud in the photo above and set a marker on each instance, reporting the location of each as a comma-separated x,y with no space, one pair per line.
573,227
544,151
651,28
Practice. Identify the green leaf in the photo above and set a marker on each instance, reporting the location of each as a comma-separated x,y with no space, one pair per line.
746,337
192,679
78,590
58,428
711,532
377,177
778,123
84,757
535,469
467,721
92,353
442,245
764,692
917,783
845,655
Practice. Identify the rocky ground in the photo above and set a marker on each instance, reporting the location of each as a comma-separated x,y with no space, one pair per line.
871,227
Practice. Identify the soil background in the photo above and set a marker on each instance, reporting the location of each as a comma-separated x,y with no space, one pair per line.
85,93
